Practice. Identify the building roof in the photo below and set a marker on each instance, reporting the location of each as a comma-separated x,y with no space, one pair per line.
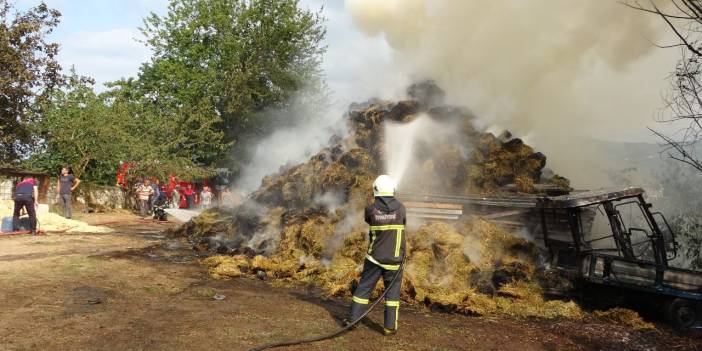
14,172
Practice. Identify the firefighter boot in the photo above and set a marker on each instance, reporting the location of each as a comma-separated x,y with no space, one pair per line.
357,309
392,309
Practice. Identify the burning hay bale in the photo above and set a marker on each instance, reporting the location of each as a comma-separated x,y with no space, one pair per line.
468,161
304,225
226,266
479,269
444,270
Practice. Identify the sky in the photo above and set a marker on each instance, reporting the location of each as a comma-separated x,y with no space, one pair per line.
99,38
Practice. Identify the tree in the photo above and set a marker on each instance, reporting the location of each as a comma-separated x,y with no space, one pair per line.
162,141
77,128
684,18
28,73
94,133
219,63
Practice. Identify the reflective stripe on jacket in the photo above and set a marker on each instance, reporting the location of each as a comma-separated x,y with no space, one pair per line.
386,218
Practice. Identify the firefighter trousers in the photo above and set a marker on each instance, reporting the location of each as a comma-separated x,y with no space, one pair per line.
369,277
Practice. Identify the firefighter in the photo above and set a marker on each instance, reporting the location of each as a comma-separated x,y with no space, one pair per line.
386,251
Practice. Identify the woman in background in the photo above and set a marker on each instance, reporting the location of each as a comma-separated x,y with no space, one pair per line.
67,182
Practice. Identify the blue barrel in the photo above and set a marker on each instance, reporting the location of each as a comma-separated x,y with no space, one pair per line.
6,226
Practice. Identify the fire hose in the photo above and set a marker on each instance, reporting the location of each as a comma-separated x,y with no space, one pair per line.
336,332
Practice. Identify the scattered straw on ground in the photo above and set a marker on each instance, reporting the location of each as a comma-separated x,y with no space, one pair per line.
624,317
52,222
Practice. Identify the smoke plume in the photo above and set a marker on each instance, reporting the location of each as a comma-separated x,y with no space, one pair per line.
305,127
557,73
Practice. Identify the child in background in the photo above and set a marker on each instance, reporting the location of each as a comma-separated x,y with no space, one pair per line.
205,198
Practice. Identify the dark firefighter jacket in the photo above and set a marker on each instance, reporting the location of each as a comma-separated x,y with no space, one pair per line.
387,219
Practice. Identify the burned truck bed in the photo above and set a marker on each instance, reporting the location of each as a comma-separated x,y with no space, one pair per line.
607,238
514,212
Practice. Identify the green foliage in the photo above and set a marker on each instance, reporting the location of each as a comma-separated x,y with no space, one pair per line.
94,133
219,63
217,66
78,129
28,73
162,141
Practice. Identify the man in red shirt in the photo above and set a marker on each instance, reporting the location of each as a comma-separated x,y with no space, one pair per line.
26,196
189,196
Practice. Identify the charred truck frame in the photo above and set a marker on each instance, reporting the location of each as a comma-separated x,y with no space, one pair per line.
607,242
611,238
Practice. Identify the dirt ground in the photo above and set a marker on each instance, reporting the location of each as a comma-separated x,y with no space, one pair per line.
136,290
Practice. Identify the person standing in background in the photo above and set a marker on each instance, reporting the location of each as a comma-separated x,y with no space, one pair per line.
156,194
26,195
144,192
176,197
205,198
189,196
66,184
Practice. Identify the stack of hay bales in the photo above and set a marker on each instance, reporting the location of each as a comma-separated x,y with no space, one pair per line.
478,269
283,234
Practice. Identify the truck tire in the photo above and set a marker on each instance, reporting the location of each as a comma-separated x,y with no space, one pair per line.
682,313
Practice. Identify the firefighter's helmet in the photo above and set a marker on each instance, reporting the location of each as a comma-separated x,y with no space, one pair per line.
384,186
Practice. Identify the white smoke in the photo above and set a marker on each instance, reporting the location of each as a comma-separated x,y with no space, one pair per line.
308,128
401,140
330,200
561,72
472,249
353,65
352,221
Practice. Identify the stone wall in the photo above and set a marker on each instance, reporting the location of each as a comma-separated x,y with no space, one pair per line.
96,196
111,197
107,197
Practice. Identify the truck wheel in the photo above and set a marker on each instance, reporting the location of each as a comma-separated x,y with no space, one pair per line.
682,313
